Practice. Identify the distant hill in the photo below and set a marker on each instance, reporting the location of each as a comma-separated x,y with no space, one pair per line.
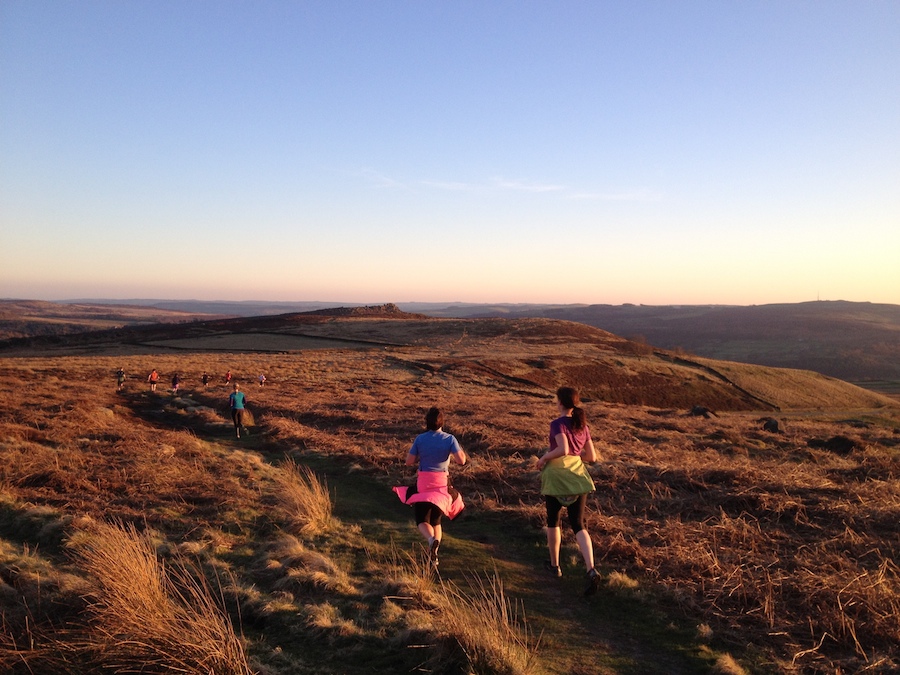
853,341
30,318
219,307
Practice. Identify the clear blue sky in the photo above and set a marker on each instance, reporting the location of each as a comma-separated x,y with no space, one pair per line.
597,152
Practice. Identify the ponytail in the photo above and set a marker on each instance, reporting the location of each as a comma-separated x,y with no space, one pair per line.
569,398
434,419
579,419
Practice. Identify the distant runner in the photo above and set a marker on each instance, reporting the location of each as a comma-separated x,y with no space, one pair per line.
120,379
238,402
153,379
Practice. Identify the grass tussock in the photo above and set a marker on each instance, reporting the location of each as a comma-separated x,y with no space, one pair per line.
477,629
327,619
485,627
149,617
304,499
726,665
299,569
407,579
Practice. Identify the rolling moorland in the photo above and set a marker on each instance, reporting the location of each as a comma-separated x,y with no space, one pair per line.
30,318
136,532
854,341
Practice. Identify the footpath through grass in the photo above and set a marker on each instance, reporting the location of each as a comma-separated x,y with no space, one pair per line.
620,630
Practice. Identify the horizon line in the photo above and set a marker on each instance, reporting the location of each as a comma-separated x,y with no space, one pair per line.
360,303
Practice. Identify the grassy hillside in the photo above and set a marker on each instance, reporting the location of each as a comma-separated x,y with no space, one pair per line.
31,318
855,341
725,548
534,352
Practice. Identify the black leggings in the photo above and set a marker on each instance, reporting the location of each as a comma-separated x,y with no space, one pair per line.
426,512
574,512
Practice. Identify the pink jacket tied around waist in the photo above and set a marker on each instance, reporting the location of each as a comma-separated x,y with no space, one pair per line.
433,487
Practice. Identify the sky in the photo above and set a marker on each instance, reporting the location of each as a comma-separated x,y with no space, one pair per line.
648,152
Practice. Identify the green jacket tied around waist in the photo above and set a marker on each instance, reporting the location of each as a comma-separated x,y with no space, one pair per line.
566,478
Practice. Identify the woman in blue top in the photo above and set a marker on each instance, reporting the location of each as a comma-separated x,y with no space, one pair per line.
432,498
237,401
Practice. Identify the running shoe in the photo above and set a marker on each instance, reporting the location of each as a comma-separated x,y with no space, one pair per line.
554,570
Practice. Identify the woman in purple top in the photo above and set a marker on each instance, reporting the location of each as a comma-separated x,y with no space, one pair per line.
565,482
433,497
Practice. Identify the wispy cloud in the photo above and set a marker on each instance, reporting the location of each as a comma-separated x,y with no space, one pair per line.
501,184
506,184
493,185
451,185
642,195
380,179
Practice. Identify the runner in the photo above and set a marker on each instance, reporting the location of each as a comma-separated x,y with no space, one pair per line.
238,402
565,482
433,497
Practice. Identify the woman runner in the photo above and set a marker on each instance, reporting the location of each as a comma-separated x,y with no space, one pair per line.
433,497
565,482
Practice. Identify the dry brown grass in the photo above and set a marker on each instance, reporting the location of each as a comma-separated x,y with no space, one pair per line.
776,539
296,568
304,499
764,539
726,665
150,617
487,627
474,627
142,616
